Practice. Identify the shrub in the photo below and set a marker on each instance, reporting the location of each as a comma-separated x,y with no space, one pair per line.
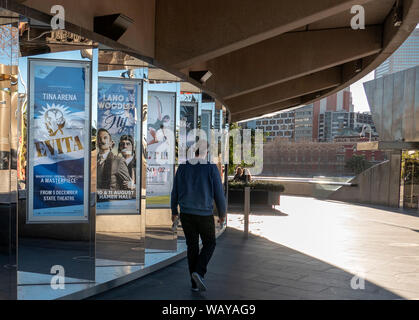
257,185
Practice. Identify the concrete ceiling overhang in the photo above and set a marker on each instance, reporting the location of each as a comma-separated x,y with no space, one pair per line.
264,56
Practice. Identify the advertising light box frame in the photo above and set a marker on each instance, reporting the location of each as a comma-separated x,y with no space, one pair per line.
57,216
137,140
172,166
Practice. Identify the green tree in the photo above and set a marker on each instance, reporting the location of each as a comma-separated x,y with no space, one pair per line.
94,133
357,164
410,158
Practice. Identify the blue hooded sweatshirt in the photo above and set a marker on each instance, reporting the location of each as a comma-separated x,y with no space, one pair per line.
195,187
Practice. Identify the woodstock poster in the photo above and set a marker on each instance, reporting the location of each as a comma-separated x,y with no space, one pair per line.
118,153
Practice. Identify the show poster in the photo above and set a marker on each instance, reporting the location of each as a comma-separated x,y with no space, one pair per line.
59,146
160,148
117,135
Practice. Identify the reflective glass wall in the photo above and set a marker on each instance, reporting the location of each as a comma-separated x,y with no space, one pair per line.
120,117
9,174
56,210
89,145
409,184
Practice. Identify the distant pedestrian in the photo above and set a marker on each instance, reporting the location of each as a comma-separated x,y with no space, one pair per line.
195,188
242,175
239,175
247,176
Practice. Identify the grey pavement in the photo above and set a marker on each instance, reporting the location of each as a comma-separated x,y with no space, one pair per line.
311,249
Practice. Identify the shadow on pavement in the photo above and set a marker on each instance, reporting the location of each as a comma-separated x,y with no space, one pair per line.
258,211
403,211
255,269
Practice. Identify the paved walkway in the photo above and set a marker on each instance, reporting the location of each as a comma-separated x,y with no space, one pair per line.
310,250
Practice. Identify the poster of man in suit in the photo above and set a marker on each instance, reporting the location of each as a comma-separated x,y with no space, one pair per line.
112,170
116,142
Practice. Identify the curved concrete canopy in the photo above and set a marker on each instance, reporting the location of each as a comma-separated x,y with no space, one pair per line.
264,56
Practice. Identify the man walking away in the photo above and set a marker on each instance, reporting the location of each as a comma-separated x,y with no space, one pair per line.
195,188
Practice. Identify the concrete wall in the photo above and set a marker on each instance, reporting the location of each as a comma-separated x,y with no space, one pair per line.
394,103
298,188
379,185
308,189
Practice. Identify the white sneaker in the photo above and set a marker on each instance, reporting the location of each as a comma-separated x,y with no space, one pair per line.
199,281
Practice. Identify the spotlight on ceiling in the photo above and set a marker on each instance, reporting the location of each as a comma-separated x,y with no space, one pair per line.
112,26
398,14
358,66
201,76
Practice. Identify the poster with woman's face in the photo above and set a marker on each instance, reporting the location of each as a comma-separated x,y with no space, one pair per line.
160,147
118,101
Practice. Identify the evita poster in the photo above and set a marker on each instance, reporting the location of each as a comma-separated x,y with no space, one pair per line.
118,128
59,141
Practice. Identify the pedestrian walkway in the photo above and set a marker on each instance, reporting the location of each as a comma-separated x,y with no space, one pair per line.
311,249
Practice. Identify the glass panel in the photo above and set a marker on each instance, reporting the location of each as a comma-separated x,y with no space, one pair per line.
188,114
120,172
206,125
163,105
56,213
160,147
77,212
410,179
9,52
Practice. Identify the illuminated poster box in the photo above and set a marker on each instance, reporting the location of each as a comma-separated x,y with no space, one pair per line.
118,146
160,148
59,141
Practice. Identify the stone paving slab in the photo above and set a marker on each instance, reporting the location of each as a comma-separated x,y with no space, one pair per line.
312,252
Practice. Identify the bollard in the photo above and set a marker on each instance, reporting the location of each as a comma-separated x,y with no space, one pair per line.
246,211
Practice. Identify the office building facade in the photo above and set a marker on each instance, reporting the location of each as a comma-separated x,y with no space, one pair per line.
407,56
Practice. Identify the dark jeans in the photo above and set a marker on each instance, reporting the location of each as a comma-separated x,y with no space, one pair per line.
193,227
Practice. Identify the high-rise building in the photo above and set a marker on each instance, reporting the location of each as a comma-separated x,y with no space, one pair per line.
341,101
407,56
307,123
308,159
342,123
304,123
278,125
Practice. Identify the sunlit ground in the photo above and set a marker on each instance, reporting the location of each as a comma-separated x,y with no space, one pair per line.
379,245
